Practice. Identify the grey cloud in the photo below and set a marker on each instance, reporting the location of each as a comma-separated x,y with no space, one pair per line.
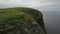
26,3
40,4
53,0
51,7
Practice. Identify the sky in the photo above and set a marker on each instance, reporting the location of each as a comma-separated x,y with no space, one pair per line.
39,4
25,3
10,3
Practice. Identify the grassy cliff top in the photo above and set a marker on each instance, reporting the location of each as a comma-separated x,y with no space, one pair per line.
11,17
33,12
21,18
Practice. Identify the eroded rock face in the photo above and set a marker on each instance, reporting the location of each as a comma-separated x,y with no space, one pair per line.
21,21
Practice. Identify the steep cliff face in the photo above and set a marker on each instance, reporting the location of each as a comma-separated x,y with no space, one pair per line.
21,21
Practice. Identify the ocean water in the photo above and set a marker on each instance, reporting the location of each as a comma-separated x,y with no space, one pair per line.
52,21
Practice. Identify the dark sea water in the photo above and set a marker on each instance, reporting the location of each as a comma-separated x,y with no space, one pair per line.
52,21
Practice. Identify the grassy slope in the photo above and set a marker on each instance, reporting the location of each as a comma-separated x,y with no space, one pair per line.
8,18
6,13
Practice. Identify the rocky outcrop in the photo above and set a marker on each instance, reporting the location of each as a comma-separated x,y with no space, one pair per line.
21,21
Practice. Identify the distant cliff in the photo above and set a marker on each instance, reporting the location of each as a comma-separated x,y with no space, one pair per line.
21,21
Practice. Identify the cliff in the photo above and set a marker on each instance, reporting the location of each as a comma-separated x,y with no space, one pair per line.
21,21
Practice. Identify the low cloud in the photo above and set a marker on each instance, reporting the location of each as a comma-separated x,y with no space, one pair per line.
23,3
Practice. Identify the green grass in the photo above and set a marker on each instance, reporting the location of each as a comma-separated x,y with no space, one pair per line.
19,16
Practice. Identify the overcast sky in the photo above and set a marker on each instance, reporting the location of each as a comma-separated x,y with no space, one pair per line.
42,4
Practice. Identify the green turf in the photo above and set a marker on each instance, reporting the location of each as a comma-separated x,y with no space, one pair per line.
15,17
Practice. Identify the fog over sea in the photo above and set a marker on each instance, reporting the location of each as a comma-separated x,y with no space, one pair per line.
49,8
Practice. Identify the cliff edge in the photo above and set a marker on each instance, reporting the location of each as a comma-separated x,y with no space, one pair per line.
21,21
